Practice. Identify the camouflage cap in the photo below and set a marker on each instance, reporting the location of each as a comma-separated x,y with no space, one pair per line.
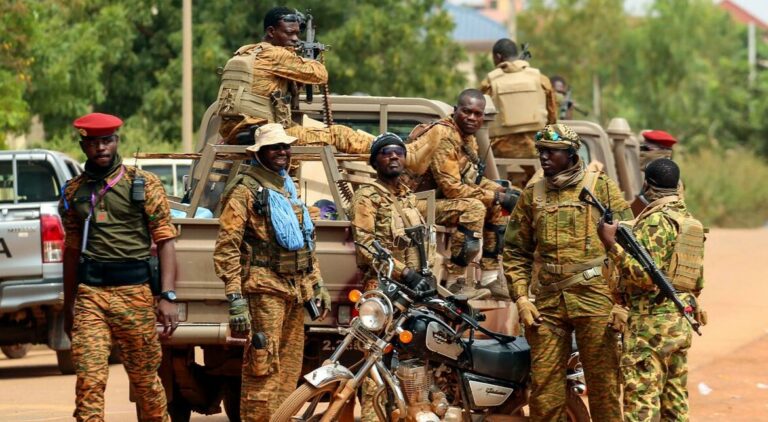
558,136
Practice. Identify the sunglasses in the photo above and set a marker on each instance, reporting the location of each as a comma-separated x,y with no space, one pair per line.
548,136
277,147
392,149
294,17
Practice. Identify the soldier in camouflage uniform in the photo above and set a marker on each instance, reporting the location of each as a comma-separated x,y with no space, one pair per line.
107,298
654,360
375,216
265,256
467,200
506,142
551,224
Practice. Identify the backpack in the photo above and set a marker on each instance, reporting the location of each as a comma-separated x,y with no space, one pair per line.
520,100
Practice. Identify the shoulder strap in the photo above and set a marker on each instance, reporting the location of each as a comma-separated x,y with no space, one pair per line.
539,199
393,199
246,49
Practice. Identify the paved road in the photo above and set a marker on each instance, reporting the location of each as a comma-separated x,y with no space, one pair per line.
730,359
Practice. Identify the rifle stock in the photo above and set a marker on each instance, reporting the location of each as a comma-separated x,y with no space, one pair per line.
628,241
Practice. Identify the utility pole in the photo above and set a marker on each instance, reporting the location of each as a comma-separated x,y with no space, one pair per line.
751,53
512,19
186,76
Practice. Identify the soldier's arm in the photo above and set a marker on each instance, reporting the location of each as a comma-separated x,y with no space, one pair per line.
288,65
657,235
226,255
519,246
158,213
363,225
609,193
485,86
549,92
445,169
73,230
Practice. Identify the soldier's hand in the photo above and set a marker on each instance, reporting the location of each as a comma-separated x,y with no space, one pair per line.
323,300
607,233
239,318
508,199
529,315
618,318
699,314
168,315
415,281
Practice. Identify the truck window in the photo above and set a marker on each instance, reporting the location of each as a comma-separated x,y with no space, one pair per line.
164,173
36,182
584,153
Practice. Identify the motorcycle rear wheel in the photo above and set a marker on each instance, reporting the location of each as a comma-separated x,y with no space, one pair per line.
292,407
575,409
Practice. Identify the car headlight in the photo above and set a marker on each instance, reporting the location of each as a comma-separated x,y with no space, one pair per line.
374,313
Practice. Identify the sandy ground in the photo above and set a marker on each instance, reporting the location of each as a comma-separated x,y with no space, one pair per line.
728,378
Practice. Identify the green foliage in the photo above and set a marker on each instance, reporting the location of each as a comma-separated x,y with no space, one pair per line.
124,57
730,192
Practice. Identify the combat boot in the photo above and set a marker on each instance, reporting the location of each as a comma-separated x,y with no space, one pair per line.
497,285
460,287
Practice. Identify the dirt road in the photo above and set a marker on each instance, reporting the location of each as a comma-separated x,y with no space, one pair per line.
729,360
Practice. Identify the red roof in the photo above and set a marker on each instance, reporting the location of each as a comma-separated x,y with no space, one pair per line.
741,15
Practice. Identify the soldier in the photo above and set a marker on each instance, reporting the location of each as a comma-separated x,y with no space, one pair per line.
265,256
111,214
523,98
376,216
466,199
656,144
654,360
551,224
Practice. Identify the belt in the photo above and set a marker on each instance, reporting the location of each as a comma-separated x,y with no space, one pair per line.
573,268
572,280
113,273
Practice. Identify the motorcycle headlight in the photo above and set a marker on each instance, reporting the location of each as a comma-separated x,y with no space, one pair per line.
374,313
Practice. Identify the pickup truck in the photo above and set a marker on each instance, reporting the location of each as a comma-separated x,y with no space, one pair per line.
31,248
201,362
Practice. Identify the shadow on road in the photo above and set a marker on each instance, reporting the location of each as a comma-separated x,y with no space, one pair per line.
26,371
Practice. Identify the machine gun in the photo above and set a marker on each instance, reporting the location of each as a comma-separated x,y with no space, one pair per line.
525,54
567,104
309,48
627,240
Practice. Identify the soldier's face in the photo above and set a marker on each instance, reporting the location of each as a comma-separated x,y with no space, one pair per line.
554,160
558,86
101,151
389,161
284,34
275,157
469,114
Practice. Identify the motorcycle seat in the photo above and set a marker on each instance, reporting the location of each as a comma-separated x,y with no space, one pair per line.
510,361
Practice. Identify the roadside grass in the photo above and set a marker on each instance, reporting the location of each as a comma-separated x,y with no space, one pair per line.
726,188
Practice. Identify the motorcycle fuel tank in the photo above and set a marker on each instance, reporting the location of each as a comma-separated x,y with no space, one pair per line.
432,339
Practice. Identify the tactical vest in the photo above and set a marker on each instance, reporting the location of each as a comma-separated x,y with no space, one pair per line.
236,97
687,263
540,196
520,101
267,252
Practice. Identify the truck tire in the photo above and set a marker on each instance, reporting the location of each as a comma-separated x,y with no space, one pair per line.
16,351
64,361
232,398
114,355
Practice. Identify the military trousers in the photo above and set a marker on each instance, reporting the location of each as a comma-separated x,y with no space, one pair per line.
515,145
124,315
473,215
654,365
270,374
550,350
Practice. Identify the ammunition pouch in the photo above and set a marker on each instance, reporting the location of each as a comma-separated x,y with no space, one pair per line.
499,232
469,249
281,260
114,273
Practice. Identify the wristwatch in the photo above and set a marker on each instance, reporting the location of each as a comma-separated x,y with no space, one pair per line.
168,295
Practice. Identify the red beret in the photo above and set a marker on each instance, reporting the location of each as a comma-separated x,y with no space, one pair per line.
659,137
97,125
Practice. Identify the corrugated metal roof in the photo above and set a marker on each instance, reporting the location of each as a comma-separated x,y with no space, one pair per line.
472,26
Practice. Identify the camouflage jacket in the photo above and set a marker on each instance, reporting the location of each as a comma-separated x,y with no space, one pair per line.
232,254
657,232
453,166
565,233
120,229
374,217
276,66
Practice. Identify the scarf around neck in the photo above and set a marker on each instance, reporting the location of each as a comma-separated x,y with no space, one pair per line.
568,177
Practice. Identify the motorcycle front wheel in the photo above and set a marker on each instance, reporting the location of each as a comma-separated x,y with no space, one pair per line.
575,409
309,403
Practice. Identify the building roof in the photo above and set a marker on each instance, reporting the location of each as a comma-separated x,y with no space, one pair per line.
472,27
746,11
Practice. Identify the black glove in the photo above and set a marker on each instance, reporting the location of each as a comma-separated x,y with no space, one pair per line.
508,199
416,281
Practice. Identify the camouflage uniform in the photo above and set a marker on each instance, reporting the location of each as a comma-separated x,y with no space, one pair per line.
460,200
654,361
120,231
245,250
279,69
562,235
519,145
374,217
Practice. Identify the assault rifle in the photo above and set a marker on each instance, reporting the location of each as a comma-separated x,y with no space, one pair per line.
310,48
525,54
420,236
567,104
627,240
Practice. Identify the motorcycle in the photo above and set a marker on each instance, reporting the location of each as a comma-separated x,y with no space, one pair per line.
436,372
